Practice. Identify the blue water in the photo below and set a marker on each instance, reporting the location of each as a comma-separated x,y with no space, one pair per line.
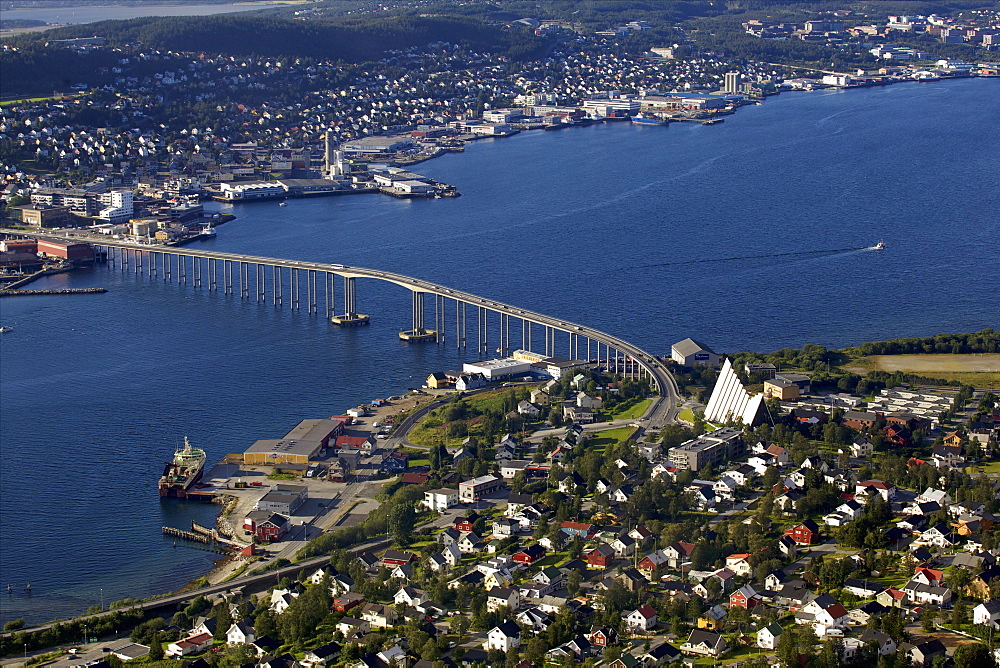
749,235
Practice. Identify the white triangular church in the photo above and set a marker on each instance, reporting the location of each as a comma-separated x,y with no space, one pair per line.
731,401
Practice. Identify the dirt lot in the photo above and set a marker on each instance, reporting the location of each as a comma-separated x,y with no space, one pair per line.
945,363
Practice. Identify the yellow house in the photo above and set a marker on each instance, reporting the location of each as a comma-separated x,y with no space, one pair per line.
706,621
778,388
954,438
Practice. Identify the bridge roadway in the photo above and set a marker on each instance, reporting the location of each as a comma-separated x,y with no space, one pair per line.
664,410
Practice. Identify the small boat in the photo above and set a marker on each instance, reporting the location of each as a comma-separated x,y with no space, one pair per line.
5,328
879,246
283,204
209,232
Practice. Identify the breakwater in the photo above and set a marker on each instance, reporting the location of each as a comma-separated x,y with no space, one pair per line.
9,292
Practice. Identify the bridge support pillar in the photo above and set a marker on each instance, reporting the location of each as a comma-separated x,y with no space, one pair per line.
350,317
419,333
276,284
311,291
244,280
259,276
329,282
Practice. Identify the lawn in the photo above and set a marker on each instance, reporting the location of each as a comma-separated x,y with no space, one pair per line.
742,653
686,415
602,439
632,412
990,468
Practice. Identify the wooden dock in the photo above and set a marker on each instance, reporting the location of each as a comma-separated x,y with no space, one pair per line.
206,536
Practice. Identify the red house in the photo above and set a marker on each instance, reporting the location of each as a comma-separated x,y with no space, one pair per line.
600,557
806,533
393,558
603,636
347,601
265,526
898,435
465,524
744,597
530,554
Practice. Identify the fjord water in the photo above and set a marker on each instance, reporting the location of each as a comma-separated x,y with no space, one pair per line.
749,235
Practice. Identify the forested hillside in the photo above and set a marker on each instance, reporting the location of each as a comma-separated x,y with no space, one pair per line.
241,35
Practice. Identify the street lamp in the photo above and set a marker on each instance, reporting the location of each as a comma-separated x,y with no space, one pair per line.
102,599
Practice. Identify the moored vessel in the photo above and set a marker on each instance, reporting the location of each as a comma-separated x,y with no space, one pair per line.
180,474
646,120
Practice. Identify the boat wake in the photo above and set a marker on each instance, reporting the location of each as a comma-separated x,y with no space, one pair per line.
799,254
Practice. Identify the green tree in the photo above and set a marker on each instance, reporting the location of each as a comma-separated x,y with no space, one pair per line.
224,619
573,581
401,520
972,655
156,647
238,654
14,625
788,648
959,615
927,618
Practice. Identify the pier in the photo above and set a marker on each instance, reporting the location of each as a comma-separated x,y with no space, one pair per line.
440,315
206,536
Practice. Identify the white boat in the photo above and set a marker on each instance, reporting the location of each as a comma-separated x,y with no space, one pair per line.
209,232
879,246
283,204
5,328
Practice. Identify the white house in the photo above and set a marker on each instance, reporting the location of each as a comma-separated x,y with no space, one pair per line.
739,564
767,637
505,636
281,599
824,613
704,642
410,596
190,645
642,618
935,496
240,632
500,597
987,613
441,499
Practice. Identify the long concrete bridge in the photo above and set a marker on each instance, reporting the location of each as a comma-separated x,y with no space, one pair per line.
280,281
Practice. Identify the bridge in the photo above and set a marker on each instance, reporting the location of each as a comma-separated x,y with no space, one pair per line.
280,281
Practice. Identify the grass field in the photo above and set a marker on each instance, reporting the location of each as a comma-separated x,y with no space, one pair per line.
426,436
990,468
982,370
633,412
602,439
937,363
